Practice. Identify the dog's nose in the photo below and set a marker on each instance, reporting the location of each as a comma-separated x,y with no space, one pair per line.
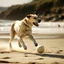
39,20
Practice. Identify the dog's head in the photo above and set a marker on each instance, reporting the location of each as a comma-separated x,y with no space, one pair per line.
34,19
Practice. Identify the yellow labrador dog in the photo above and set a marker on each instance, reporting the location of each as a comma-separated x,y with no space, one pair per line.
23,28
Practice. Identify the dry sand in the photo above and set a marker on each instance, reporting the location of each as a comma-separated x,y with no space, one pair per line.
53,54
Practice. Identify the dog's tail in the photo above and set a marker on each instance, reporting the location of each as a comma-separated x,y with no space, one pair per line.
12,31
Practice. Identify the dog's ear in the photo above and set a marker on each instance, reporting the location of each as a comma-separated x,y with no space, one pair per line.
28,16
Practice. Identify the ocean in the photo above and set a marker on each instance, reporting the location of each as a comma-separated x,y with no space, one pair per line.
45,29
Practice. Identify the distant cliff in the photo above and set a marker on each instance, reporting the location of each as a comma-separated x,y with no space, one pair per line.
47,10
3,8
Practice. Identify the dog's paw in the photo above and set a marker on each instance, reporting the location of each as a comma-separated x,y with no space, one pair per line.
25,47
36,44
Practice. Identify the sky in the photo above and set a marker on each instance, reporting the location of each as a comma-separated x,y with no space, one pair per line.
7,3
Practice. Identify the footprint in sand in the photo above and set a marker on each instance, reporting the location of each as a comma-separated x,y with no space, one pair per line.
1,61
6,58
4,52
34,63
55,63
6,62
59,51
40,59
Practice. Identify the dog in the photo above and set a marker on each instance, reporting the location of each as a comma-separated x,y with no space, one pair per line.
23,28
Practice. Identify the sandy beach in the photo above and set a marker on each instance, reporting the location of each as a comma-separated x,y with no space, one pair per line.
47,34
53,54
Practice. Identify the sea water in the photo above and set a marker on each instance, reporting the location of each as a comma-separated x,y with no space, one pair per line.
45,29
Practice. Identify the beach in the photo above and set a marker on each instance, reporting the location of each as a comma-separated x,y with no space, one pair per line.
48,34
53,54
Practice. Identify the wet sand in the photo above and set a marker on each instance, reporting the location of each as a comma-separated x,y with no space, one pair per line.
53,54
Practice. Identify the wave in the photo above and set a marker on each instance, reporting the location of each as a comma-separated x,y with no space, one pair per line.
45,28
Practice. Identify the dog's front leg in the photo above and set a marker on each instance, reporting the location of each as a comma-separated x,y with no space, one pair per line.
19,43
32,38
23,44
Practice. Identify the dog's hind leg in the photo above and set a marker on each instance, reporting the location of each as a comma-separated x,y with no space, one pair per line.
23,44
12,35
32,38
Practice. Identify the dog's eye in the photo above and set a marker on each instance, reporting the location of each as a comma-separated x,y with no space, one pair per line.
35,17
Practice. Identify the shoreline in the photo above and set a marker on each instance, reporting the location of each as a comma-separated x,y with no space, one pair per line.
36,36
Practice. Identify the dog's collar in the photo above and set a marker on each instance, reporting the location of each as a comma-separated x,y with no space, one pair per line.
25,23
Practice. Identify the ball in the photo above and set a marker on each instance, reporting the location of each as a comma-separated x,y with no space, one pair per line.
40,49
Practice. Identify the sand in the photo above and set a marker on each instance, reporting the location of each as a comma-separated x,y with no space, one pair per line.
53,54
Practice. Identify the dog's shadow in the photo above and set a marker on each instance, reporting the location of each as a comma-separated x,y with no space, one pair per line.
48,55
42,55
51,55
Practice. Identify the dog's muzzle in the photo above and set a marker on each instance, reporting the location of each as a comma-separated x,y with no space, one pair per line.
36,23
